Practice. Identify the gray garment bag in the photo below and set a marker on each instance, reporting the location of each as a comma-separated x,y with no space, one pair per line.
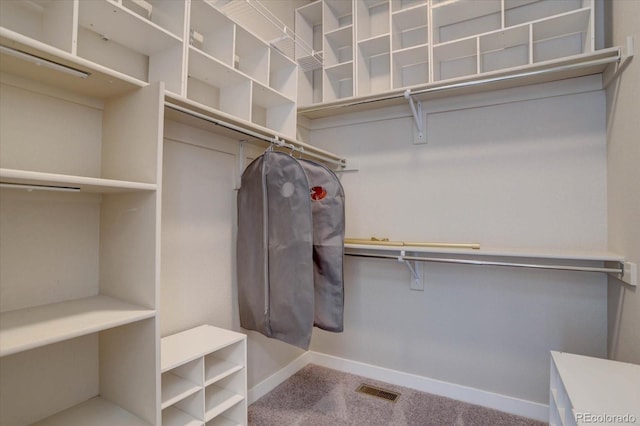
327,204
275,251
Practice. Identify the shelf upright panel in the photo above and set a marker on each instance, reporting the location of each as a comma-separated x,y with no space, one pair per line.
308,27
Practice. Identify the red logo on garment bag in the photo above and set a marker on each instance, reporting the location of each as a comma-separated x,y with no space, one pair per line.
318,193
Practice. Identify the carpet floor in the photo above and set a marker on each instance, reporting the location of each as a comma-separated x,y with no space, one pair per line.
319,396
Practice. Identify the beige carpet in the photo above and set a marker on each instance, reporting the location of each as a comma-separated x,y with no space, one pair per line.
318,396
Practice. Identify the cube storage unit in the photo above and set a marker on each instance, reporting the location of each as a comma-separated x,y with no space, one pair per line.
374,46
204,378
198,52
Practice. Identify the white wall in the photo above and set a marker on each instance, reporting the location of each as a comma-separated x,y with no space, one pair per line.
523,173
623,179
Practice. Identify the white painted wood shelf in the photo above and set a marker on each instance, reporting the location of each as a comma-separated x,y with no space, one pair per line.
29,328
437,49
79,270
82,183
204,377
94,412
586,390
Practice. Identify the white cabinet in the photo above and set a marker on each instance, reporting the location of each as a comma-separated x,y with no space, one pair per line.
204,377
198,52
78,259
586,390
375,46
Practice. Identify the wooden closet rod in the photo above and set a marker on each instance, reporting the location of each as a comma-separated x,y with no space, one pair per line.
303,148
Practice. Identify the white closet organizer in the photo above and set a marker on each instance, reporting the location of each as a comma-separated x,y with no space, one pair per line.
198,52
78,251
377,46
204,378
80,173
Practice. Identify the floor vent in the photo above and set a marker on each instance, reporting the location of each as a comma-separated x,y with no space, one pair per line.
380,393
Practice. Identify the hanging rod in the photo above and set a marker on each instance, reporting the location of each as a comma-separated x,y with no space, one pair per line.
471,83
618,270
302,148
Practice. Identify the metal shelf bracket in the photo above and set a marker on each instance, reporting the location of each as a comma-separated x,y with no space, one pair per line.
416,110
417,282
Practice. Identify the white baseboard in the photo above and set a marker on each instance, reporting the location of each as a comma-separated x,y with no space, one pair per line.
507,404
270,383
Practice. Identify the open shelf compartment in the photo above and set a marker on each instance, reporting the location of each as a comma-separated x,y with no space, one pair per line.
118,38
372,18
212,32
49,22
410,27
218,86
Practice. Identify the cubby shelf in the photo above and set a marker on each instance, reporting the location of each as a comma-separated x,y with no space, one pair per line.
204,377
399,44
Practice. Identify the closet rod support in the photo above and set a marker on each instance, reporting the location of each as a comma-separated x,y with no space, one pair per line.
628,273
416,279
625,55
416,110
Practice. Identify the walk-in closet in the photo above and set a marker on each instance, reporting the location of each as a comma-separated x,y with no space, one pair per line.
319,212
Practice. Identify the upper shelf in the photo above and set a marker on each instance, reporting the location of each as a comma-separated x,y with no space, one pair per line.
542,72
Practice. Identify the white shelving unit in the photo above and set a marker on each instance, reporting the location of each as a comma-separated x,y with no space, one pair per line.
190,45
396,44
586,390
204,377
78,217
